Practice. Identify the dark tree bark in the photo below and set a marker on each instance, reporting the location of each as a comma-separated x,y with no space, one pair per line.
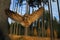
4,19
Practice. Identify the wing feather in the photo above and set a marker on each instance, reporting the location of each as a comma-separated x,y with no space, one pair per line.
35,15
31,18
14,15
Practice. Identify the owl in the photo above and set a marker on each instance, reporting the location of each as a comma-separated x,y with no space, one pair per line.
27,19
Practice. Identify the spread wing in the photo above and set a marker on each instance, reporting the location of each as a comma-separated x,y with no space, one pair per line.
31,18
14,15
35,15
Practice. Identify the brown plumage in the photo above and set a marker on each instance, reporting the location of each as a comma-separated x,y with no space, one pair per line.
25,20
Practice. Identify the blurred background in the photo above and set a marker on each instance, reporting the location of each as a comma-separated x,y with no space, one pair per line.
47,25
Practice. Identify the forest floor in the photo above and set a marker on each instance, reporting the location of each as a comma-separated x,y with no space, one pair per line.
15,37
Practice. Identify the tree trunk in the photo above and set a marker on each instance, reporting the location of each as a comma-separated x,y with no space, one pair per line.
51,19
58,9
4,19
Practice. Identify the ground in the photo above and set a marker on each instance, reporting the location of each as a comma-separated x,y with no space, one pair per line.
15,37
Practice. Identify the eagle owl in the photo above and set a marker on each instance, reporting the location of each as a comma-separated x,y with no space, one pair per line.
27,19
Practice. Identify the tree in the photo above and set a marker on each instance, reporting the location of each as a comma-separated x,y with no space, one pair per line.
3,18
58,9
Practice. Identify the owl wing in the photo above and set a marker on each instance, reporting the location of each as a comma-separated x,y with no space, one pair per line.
14,15
35,15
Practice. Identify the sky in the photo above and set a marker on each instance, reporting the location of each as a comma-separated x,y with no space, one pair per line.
54,9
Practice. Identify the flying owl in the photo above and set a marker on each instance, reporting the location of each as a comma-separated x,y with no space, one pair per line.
27,19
